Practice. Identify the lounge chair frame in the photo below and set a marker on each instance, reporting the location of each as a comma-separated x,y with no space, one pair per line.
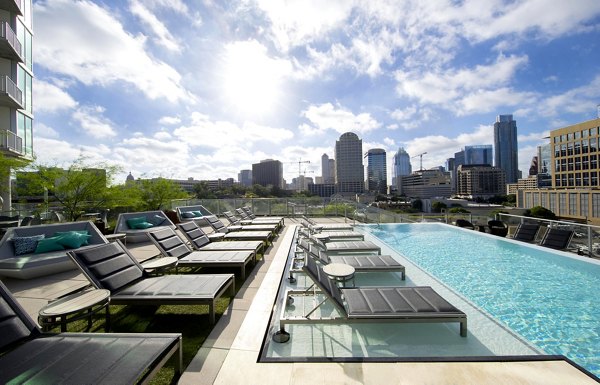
326,286
200,241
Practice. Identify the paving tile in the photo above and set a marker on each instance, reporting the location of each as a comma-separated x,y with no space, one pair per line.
204,367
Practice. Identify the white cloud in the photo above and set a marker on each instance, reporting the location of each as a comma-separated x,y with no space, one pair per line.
169,120
162,35
489,100
576,100
90,45
92,121
51,98
329,117
40,130
411,117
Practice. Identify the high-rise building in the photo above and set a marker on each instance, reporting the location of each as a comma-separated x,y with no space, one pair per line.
376,170
481,154
245,177
400,167
16,71
480,180
426,184
505,147
349,171
268,172
325,168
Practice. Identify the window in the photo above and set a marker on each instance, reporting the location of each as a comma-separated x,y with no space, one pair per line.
570,148
577,146
562,203
571,180
572,204
593,144
585,146
578,179
557,150
570,164
577,135
544,200
577,163
585,162
553,202
586,179
593,162
584,204
596,205
584,133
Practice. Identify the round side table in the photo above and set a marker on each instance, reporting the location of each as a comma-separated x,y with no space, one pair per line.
74,307
340,272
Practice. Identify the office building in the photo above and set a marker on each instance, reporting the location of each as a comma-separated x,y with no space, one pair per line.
327,169
575,173
425,184
480,181
268,172
245,178
505,147
481,154
376,170
401,166
349,171
16,70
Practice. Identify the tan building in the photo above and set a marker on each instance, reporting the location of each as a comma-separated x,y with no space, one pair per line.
426,184
478,180
575,191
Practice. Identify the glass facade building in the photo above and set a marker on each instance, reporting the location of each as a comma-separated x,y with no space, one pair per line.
505,146
349,171
376,170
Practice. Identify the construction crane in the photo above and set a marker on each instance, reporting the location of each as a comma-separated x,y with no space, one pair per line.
300,161
420,159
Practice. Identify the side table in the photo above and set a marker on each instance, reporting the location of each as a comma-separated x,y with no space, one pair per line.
340,272
75,307
120,236
158,265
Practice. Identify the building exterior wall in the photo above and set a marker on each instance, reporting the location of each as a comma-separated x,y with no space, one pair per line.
376,170
505,147
426,184
268,172
400,167
245,177
349,171
480,181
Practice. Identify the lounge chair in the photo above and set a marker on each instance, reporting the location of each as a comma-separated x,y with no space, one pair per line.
237,233
195,213
526,232
371,304
170,245
244,217
361,263
558,239
136,226
235,224
199,240
251,214
112,267
498,228
27,355
332,236
346,247
314,226
465,224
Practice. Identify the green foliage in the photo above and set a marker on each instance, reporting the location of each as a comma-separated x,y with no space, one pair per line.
539,212
8,165
437,207
203,191
417,204
155,193
458,210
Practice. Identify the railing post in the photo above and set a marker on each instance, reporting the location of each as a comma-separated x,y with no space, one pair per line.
590,241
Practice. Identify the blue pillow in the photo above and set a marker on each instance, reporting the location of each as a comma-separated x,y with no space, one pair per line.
72,239
49,244
143,225
188,214
197,214
131,222
156,219
26,245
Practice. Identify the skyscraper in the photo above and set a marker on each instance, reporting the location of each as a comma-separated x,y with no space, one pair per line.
245,177
16,114
376,170
327,169
481,154
400,167
505,147
349,171
268,172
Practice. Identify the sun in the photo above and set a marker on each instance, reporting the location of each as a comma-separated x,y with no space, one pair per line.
251,79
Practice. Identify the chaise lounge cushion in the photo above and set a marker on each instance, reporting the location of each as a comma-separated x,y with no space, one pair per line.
136,226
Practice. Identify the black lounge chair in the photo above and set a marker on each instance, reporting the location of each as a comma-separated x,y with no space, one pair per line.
346,247
526,232
372,304
235,225
360,262
199,240
112,267
465,224
318,227
251,215
245,218
170,245
27,355
558,239
498,228
238,233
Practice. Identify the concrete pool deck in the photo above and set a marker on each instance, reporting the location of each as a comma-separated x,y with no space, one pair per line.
230,353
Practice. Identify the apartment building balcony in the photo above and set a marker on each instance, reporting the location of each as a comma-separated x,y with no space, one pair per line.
10,46
10,143
14,6
10,94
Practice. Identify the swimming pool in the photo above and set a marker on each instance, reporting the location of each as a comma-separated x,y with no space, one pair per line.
549,298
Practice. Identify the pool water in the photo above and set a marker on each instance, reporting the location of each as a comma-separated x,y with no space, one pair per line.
547,297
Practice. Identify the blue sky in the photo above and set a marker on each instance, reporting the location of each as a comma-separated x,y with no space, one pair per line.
205,88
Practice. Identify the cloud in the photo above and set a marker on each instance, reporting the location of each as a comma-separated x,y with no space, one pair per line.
170,120
162,35
411,117
92,121
90,45
51,98
329,117
40,130
576,100
204,132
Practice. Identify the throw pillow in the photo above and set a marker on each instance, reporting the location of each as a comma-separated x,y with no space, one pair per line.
188,214
131,222
72,239
197,214
49,244
143,225
155,219
26,245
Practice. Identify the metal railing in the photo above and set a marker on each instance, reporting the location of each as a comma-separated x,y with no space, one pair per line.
10,88
6,32
11,141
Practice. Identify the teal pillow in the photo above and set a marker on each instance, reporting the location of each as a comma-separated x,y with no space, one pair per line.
49,244
131,222
72,239
197,214
143,225
26,245
156,219
188,214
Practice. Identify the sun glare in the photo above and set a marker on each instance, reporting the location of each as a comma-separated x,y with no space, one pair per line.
252,80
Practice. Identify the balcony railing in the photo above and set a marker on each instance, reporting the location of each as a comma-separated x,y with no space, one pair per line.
10,94
9,141
15,6
10,46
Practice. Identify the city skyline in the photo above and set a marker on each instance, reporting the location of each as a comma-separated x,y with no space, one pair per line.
214,88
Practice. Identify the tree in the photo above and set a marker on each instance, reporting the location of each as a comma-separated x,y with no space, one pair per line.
458,210
437,207
79,188
539,212
154,193
417,204
202,191
8,165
